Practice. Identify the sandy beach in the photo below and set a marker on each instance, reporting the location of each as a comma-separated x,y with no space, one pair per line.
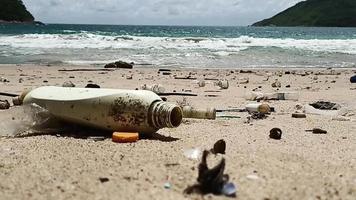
301,165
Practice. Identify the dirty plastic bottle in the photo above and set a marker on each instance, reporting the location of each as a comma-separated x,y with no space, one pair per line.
258,107
294,96
110,109
190,112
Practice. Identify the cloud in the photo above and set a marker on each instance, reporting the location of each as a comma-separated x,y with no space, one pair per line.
180,12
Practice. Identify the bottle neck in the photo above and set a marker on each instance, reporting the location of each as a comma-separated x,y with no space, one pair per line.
165,115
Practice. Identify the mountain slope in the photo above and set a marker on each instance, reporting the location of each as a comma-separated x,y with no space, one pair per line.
14,11
328,13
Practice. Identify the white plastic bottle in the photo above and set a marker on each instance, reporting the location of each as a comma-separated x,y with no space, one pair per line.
110,109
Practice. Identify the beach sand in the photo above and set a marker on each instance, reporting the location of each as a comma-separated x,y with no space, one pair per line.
301,165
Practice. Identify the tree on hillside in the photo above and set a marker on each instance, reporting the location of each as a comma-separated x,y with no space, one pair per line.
14,10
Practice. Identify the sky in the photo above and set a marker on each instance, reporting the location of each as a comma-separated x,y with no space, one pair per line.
156,12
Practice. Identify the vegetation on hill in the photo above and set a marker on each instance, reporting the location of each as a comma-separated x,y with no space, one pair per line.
327,13
14,11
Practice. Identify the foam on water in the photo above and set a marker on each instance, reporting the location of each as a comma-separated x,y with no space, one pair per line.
222,45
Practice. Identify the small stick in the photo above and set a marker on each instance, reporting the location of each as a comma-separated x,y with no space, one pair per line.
8,94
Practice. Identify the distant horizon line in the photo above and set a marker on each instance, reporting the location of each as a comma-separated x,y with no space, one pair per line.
144,24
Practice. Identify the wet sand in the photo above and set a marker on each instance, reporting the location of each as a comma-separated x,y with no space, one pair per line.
301,165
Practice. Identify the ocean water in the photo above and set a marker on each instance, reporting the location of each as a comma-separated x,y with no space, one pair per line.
178,46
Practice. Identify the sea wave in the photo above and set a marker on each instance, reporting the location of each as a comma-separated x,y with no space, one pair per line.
98,41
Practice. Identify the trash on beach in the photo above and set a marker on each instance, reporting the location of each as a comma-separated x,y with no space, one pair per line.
92,85
219,147
243,80
229,190
189,77
253,96
156,88
191,112
212,180
341,118
68,84
119,64
201,83
325,105
167,185
311,110
276,84
275,133
4,80
4,104
223,84
192,154
232,110
317,131
107,109
26,120
125,137
258,115
258,107
353,79
228,116
299,115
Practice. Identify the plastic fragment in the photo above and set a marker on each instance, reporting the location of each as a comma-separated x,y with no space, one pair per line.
124,137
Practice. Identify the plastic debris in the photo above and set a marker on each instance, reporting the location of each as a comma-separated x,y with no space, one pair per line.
325,105
258,107
353,79
311,110
190,112
275,133
193,154
229,190
252,177
156,88
123,110
123,137
255,96
167,185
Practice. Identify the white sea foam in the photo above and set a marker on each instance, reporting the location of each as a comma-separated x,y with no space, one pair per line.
220,45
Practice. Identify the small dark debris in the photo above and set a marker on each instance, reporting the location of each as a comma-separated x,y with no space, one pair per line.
258,115
119,64
353,79
219,147
287,86
166,73
91,85
317,131
103,179
4,104
299,115
164,70
246,71
275,133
